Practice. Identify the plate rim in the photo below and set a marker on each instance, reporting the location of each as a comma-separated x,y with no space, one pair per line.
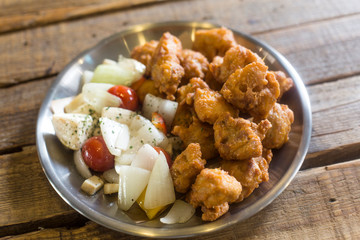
137,230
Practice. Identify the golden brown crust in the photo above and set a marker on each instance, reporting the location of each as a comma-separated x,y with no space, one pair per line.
166,70
198,132
281,118
186,92
285,83
144,53
212,189
211,214
186,167
210,105
250,173
238,139
235,58
194,63
213,42
248,90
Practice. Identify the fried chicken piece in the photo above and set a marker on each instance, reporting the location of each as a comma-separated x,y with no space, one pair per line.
235,58
211,214
184,115
213,42
166,70
187,91
148,86
285,83
144,53
250,91
239,139
250,173
281,117
194,64
186,167
210,105
210,77
198,132
213,190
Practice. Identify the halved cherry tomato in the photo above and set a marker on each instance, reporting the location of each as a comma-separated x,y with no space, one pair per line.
128,96
158,121
167,155
136,85
96,154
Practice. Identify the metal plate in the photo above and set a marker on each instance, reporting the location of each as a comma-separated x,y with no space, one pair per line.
58,165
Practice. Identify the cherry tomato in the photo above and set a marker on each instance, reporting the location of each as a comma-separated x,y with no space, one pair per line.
158,122
128,96
167,155
96,154
136,85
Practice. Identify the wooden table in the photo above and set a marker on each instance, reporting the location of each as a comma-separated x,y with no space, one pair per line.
320,38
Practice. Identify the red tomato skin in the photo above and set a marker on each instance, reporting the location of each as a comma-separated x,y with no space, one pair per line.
96,154
127,95
158,121
167,155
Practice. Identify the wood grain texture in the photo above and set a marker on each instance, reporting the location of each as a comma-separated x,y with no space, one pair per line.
15,15
320,203
45,51
26,195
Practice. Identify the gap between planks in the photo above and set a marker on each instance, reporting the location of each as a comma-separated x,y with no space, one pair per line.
320,203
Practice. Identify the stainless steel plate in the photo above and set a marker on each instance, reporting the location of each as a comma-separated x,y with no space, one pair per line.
58,164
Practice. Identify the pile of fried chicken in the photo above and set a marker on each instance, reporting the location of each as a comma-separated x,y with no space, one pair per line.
228,110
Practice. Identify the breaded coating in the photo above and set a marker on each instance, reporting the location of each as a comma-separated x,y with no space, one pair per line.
184,115
213,42
211,214
239,139
250,173
148,86
210,76
250,91
281,117
187,91
285,83
194,63
210,105
186,167
235,58
144,53
198,132
212,189
166,70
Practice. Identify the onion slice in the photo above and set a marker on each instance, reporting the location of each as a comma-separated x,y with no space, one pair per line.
160,190
145,157
180,212
80,165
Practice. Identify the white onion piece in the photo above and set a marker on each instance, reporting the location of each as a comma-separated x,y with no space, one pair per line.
160,190
111,176
81,166
180,212
145,157
87,76
75,103
97,96
124,159
150,134
138,122
116,135
120,115
134,67
132,182
164,107
58,106
109,62
72,129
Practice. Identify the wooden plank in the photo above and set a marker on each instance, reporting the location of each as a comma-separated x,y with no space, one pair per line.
321,203
26,195
335,107
45,51
320,52
15,15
